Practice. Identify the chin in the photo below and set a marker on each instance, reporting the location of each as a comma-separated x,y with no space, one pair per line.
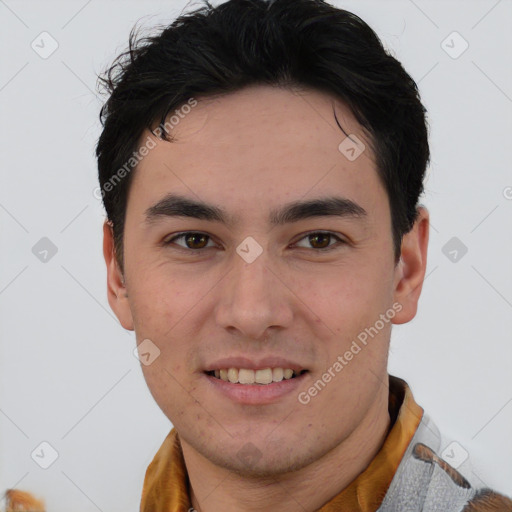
259,459
264,468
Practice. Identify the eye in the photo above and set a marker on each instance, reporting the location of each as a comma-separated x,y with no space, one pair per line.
320,240
191,240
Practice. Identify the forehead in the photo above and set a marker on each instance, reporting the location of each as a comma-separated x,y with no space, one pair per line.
256,146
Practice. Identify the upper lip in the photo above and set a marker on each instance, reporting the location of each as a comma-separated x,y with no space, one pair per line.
252,364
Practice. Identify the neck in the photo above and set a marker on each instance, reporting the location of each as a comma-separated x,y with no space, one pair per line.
215,488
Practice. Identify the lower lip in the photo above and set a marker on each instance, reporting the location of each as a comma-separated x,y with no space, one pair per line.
257,394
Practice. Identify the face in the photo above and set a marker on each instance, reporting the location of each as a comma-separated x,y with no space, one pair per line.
286,264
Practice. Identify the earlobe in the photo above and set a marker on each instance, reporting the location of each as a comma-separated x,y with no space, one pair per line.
410,270
116,287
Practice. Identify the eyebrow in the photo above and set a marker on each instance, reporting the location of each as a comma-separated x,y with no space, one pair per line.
173,205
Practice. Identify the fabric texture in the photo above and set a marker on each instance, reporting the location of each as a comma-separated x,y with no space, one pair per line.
406,475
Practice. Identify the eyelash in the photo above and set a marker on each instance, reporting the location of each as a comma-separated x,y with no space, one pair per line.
323,249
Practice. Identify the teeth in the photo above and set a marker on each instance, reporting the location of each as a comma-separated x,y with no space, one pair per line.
263,376
287,374
277,374
247,376
233,375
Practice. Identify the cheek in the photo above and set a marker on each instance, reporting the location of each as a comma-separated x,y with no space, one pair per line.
167,390
160,301
159,309
348,298
349,302
162,310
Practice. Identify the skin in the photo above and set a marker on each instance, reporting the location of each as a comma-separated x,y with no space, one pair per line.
250,152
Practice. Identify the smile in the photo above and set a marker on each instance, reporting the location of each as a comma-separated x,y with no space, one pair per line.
247,376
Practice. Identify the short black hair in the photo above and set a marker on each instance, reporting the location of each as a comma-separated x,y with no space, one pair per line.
285,43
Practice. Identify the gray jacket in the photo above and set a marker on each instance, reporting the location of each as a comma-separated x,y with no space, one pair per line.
424,482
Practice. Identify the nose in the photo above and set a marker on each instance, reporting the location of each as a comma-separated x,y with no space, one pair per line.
253,300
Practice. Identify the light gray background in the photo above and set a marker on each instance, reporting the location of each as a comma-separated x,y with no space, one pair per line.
67,370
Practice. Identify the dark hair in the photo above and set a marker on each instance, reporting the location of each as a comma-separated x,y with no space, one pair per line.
218,50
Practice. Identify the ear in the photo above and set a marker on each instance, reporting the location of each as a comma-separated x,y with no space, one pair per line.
116,287
410,270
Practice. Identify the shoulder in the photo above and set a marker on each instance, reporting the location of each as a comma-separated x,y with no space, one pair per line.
425,481
484,500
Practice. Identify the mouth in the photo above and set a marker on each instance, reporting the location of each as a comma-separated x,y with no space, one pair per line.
262,377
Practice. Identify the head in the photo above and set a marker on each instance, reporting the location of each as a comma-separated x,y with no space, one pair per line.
261,165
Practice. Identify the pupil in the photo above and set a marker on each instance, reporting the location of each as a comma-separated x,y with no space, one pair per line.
192,239
316,240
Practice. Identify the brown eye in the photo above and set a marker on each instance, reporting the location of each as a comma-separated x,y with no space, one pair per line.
319,240
196,240
190,240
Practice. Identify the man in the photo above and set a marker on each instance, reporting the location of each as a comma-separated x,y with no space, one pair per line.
261,165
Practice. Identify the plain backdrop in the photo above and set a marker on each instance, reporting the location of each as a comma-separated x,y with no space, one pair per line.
68,375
